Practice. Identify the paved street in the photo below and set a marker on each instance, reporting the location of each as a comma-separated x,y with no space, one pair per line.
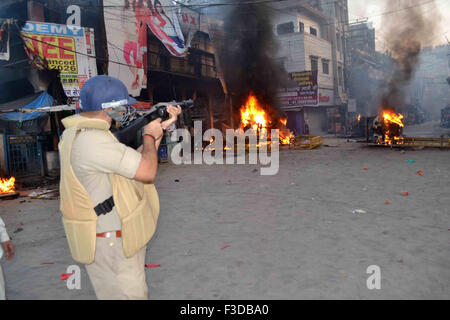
226,232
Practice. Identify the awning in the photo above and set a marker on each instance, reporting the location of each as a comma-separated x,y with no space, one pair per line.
18,103
43,100
31,122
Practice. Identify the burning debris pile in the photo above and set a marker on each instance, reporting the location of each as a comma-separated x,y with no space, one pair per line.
7,185
251,73
8,188
408,33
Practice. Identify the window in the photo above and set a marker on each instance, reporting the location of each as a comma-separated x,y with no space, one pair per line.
314,63
313,31
285,28
301,27
341,77
325,67
207,69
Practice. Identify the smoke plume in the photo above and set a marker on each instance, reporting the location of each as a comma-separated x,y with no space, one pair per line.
408,31
248,57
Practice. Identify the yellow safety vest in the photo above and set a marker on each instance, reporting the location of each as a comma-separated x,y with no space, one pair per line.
137,203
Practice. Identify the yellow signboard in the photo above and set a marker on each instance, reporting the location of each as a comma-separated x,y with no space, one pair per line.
58,51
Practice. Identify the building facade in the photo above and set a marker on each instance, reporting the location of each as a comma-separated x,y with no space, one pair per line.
312,38
169,77
430,88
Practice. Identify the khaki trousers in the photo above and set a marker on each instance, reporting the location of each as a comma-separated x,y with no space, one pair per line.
115,277
2,285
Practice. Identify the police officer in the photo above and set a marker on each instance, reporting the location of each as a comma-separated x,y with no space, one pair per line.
108,200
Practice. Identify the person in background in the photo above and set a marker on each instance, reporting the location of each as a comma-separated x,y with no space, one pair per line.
8,248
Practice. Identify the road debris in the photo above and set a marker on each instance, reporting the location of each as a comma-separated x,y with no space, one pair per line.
224,247
46,194
65,276
405,193
420,173
358,211
387,202
152,265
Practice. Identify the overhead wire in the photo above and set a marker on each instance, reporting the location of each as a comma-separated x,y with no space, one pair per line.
221,4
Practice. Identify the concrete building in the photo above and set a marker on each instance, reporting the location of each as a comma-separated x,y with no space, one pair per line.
309,41
366,72
429,88
169,77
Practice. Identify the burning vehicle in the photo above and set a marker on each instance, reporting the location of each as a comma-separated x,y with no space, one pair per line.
388,128
253,116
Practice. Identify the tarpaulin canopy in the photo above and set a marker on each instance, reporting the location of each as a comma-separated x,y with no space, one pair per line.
11,121
44,100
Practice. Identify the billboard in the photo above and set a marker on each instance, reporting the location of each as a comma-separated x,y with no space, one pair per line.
127,22
304,94
126,36
66,48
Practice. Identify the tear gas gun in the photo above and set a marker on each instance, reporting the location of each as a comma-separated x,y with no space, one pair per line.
127,134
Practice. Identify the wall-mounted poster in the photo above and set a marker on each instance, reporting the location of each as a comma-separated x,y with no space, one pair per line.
126,34
65,48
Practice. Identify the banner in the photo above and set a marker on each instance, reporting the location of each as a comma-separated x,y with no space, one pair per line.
64,48
126,34
162,19
306,94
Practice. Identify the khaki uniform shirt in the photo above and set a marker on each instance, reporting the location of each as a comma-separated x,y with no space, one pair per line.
95,154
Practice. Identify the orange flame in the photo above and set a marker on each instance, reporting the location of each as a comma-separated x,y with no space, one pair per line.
7,185
254,116
285,134
390,118
359,117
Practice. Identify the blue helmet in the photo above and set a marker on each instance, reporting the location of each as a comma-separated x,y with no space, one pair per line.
101,92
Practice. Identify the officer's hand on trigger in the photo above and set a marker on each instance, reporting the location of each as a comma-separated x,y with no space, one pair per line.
154,128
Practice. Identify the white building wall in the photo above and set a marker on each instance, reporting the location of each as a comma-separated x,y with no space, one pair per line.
322,49
292,51
297,48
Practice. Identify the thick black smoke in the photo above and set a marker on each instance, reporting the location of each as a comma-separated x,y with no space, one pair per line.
408,31
248,57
